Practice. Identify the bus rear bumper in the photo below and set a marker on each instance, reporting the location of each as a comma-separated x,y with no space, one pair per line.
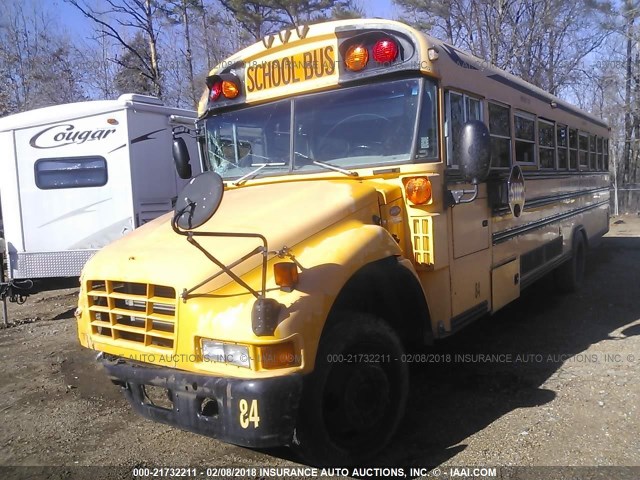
256,413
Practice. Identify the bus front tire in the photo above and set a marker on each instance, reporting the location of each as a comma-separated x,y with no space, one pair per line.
570,275
355,398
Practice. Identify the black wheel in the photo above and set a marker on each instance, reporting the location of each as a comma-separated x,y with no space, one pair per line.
570,275
355,398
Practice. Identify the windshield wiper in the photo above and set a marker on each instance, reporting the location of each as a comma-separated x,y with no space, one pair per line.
328,166
254,172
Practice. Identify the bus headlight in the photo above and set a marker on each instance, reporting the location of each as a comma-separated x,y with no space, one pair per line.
230,353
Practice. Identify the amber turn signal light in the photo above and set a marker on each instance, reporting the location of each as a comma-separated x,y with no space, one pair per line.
279,355
418,190
356,57
286,275
230,89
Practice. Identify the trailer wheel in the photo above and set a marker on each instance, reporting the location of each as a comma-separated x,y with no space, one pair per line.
355,398
570,275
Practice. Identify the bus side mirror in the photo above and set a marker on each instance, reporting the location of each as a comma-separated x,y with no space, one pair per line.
181,158
474,152
474,157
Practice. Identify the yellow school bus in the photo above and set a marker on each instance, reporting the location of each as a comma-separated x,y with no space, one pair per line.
368,191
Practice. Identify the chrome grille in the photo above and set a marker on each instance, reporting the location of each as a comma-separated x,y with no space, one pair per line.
126,312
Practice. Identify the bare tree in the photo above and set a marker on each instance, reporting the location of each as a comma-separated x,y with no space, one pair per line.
100,70
38,67
623,104
541,41
128,16
179,13
130,76
256,17
261,17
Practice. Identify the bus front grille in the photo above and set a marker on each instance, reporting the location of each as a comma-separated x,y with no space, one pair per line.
138,313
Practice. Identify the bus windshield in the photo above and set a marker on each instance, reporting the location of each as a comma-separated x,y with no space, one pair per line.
361,126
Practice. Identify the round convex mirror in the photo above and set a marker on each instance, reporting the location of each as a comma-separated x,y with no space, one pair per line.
198,200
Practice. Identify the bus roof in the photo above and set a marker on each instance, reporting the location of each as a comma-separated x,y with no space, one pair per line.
478,68
456,68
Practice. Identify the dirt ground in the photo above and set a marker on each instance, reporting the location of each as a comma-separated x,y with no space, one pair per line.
551,380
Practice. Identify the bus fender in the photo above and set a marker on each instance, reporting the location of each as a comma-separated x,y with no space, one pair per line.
388,288
358,269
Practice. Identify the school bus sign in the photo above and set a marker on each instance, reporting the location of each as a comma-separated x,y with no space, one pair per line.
274,74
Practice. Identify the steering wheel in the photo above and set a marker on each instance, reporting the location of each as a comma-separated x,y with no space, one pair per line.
373,116
373,148
326,139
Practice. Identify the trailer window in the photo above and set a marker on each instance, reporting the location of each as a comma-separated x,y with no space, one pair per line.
54,173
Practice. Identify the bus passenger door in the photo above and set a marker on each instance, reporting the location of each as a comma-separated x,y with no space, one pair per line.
470,261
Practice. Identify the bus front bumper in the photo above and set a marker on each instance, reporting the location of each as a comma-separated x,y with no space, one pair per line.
256,413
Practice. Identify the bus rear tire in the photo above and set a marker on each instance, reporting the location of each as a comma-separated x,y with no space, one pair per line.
570,275
355,398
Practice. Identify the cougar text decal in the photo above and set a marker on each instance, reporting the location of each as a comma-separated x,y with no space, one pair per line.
66,134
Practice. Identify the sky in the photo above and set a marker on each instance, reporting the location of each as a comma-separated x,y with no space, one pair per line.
77,25
381,8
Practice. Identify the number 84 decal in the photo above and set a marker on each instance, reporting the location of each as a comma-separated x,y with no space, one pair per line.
249,413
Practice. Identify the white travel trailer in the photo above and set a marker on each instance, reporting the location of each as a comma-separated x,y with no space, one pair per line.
75,177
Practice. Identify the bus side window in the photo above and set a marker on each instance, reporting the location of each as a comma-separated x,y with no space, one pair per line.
573,149
500,132
428,127
524,126
583,145
460,108
546,144
455,120
600,163
592,153
561,131
474,108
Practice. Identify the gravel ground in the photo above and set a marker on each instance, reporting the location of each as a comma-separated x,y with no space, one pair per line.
551,380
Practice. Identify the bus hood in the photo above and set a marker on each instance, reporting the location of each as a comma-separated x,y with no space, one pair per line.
285,213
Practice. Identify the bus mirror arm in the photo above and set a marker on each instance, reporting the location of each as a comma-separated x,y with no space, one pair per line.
457,196
265,311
